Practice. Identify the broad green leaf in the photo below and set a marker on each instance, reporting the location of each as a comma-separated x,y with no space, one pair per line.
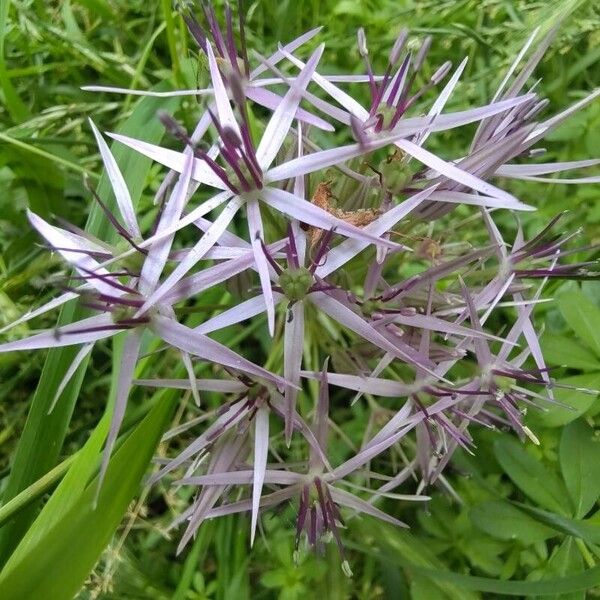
587,530
583,316
53,560
408,551
404,548
576,403
565,560
528,474
42,438
579,461
561,350
506,522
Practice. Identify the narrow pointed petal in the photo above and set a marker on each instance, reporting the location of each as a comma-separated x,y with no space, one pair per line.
159,252
366,385
59,238
556,120
85,331
307,212
293,348
211,276
227,420
454,197
224,110
271,100
440,101
227,386
255,230
281,120
79,358
544,168
355,503
206,207
131,351
62,299
346,317
207,241
327,158
172,159
261,451
289,47
453,172
118,185
242,477
245,310
196,343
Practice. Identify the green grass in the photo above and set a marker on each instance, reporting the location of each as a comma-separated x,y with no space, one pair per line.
47,52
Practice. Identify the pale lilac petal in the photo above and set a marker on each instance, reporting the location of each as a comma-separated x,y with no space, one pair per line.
271,100
459,118
289,47
224,110
242,478
156,258
79,358
172,159
366,385
198,344
150,93
278,126
556,120
344,99
453,172
230,418
131,351
261,452
440,101
454,197
346,317
515,64
327,158
211,276
85,331
118,185
245,310
206,207
226,386
576,181
310,213
32,314
544,168
293,348
255,230
355,503
207,241
273,499
61,239
189,367
348,249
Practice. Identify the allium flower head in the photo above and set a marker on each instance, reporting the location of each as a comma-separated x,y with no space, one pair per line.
368,281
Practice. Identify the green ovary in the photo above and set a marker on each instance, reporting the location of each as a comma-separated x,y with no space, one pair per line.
296,283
